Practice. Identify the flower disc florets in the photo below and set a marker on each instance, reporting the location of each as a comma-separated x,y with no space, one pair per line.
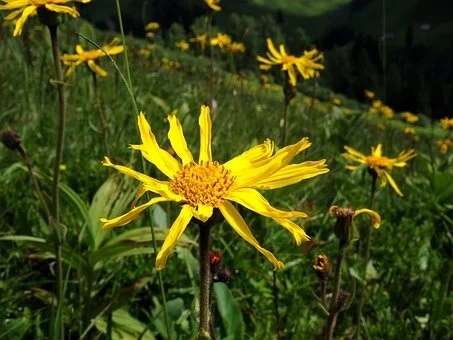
206,183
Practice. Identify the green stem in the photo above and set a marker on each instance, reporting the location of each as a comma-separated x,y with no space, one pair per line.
334,308
205,281
55,208
284,131
276,303
100,112
367,255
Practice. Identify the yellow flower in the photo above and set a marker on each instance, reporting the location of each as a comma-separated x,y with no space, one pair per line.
182,45
410,117
204,185
446,123
200,39
409,130
28,8
338,211
236,47
213,4
308,64
222,40
89,57
387,111
379,165
152,26
444,145
369,94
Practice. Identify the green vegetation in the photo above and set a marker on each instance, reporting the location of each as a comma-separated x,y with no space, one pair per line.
111,287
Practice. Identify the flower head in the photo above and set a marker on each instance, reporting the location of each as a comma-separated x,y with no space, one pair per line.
308,65
28,8
90,56
369,94
221,40
236,47
182,45
213,4
152,26
202,185
446,123
377,164
200,39
410,117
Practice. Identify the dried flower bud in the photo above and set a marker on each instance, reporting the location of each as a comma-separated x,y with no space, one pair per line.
10,139
322,267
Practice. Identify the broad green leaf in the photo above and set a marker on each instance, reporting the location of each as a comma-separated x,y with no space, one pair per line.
230,312
159,216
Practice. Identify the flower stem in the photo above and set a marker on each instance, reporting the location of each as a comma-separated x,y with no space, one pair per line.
100,111
334,308
275,296
367,255
205,281
55,207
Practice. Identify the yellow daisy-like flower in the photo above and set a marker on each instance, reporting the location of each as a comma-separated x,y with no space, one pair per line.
213,4
200,39
444,145
410,117
89,57
377,163
222,40
28,8
307,65
182,45
236,47
446,123
152,26
369,94
204,185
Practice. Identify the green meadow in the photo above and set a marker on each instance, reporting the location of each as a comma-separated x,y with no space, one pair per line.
65,277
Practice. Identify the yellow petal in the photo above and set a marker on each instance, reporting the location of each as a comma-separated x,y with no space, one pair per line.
236,221
272,49
152,152
357,155
298,233
377,152
28,11
253,200
372,213
62,9
130,215
250,158
178,141
96,68
202,212
205,134
392,183
175,232
291,174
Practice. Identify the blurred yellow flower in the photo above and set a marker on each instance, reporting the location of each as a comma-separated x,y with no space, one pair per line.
182,45
376,104
200,39
308,64
152,26
410,117
336,101
387,111
213,4
369,94
222,40
28,8
409,130
201,186
89,57
444,145
378,164
446,123
236,47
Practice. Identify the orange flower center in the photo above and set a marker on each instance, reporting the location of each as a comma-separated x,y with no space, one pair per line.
206,183
289,60
91,55
377,162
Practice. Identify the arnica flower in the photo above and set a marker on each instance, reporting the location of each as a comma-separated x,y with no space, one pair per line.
182,45
152,26
308,64
379,165
204,185
236,47
90,56
444,145
446,123
369,94
200,39
221,40
213,4
410,117
28,8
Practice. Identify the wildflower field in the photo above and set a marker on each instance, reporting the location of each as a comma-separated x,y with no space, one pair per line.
163,188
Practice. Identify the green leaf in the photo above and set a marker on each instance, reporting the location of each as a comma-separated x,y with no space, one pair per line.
229,311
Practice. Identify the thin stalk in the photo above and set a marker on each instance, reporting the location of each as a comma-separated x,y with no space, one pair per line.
276,303
312,104
284,129
205,281
149,215
100,111
367,255
55,206
334,308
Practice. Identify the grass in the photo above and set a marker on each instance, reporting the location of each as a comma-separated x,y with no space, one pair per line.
111,288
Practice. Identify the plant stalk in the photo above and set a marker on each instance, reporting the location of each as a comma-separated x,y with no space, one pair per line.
205,281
